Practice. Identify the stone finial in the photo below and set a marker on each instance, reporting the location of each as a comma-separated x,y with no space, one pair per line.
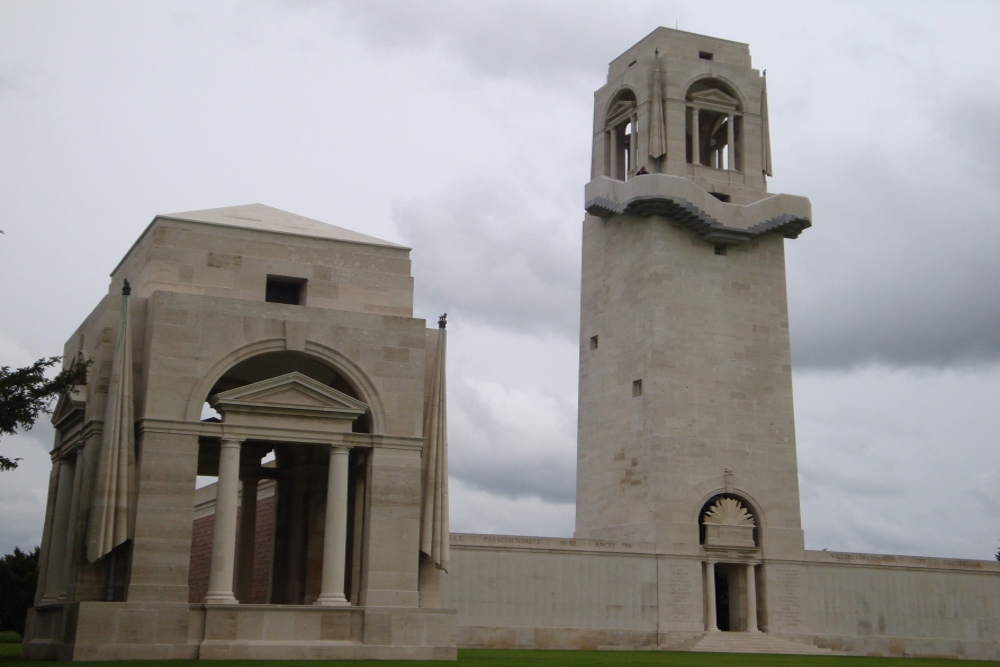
443,321
126,288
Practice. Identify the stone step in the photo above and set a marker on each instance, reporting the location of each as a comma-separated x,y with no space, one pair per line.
753,642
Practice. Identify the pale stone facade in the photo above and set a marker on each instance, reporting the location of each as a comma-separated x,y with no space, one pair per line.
688,534
301,334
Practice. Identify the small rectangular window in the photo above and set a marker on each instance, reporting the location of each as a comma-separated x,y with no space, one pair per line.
705,55
285,290
720,196
593,342
636,388
721,248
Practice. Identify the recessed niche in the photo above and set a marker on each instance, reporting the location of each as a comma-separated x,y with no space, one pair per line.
285,290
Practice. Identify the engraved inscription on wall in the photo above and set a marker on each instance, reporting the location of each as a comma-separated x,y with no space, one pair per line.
784,586
683,590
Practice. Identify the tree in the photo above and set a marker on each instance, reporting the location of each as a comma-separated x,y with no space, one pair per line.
26,392
18,581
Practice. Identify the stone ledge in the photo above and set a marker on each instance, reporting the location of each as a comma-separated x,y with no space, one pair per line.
711,219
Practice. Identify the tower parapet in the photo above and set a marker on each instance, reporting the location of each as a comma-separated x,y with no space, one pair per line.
687,105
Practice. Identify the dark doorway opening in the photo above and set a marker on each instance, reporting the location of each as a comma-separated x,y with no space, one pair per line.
722,600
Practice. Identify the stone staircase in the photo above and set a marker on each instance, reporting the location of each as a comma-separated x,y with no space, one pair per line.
750,642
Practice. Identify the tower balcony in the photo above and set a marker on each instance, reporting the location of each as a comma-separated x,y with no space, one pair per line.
710,218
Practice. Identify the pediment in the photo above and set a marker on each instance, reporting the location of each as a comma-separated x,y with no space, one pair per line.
621,105
69,408
714,97
620,109
292,394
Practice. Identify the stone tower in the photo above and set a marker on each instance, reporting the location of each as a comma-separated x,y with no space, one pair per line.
686,431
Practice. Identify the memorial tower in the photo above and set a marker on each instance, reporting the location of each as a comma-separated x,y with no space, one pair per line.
686,431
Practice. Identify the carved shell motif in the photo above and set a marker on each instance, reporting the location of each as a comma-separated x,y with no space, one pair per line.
728,512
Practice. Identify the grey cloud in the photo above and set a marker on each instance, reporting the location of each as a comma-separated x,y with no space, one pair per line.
970,120
543,42
901,268
485,251
856,481
508,454
23,491
899,460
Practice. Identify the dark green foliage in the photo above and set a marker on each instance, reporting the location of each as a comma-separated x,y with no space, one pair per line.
18,581
26,392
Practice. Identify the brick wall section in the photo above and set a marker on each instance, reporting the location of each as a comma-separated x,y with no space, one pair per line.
263,550
201,557
201,554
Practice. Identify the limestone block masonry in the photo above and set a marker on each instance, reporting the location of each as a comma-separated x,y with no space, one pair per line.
324,533
301,336
688,534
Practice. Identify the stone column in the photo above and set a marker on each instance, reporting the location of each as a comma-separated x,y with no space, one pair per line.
50,514
695,139
335,534
69,558
711,625
613,153
731,142
220,577
751,599
57,545
633,146
248,536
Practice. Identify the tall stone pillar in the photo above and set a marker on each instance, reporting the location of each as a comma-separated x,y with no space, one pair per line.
751,599
613,153
60,523
731,142
695,137
71,527
220,578
50,511
711,624
633,146
247,539
335,535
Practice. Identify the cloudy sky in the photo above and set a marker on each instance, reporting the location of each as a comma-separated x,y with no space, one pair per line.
462,129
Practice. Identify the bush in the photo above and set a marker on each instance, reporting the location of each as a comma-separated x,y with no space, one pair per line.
9,637
18,581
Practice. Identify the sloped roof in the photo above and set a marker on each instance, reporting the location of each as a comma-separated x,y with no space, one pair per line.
270,219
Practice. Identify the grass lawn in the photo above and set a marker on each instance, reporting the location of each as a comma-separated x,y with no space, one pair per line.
10,655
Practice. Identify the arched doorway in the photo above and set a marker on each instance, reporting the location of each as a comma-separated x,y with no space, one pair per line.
621,135
714,126
286,409
729,536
